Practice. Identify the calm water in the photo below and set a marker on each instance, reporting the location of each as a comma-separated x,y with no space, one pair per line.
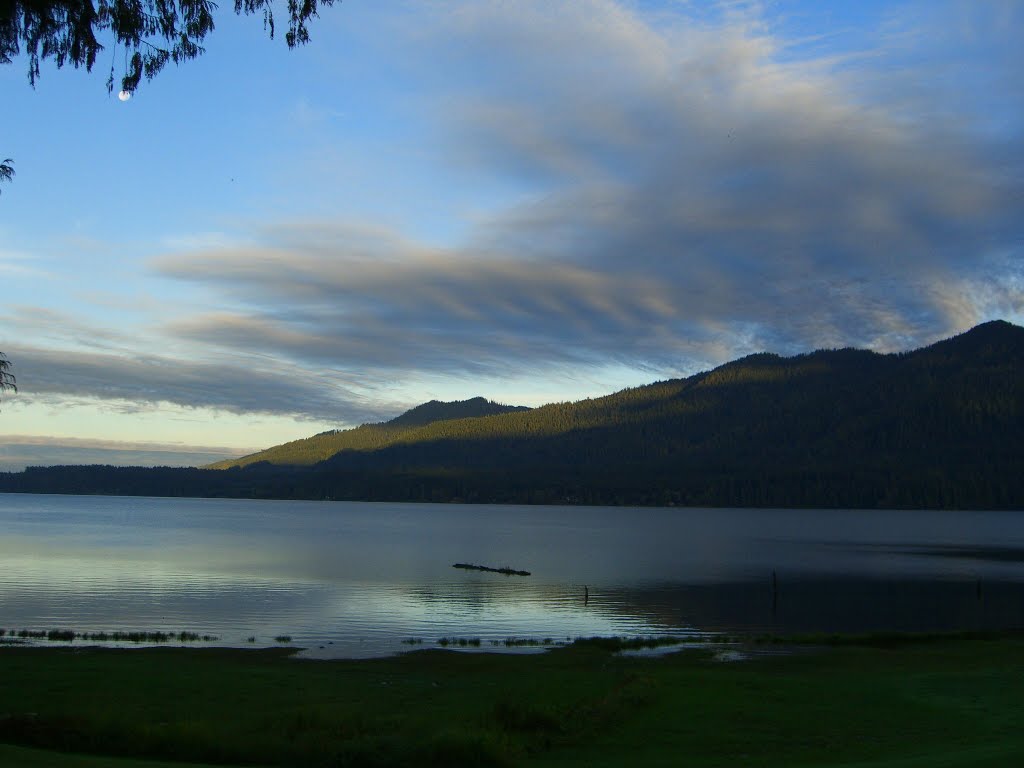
357,579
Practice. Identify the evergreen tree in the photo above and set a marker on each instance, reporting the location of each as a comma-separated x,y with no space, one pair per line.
151,32
7,380
6,170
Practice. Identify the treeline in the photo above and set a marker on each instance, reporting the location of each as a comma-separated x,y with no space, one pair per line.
981,486
940,427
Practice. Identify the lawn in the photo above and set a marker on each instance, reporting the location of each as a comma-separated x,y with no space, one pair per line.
955,701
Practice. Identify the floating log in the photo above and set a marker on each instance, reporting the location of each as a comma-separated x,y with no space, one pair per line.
506,571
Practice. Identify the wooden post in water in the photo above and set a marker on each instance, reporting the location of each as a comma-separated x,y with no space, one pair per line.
586,594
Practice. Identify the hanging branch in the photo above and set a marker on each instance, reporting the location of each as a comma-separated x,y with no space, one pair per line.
6,171
152,32
7,380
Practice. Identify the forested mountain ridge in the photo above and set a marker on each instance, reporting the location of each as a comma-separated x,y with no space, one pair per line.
436,410
816,401
942,426
368,437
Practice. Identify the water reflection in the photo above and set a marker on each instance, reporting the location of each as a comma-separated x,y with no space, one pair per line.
357,579
832,605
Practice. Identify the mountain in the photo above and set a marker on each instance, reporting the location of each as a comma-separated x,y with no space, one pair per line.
940,426
369,437
435,410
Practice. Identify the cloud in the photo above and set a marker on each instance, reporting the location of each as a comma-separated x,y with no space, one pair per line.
139,381
418,310
758,186
16,264
698,191
63,328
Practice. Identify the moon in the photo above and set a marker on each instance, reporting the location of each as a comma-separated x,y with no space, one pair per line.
124,95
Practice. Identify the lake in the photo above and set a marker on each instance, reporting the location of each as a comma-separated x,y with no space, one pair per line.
356,579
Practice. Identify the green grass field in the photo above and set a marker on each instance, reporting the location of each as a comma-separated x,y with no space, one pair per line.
953,702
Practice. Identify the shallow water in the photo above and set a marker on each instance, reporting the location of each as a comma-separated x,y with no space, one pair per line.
357,579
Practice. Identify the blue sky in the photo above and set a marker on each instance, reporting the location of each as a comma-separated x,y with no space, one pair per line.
530,201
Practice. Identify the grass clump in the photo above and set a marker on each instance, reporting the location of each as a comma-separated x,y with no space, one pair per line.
616,644
526,717
461,642
69,635
528,642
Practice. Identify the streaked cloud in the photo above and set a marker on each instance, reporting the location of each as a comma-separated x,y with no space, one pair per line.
416,310
698,191
17,264
139,381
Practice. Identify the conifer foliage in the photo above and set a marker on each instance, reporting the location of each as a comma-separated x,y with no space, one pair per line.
7,380
151,33
7,170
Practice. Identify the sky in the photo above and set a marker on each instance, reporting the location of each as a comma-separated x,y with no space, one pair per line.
531,201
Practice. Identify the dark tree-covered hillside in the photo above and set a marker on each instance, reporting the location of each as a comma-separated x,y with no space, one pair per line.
939,427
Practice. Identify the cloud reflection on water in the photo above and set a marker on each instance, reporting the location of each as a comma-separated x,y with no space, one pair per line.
363,577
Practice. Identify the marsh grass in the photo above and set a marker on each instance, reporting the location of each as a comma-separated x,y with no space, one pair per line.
529,642
70,635
615,644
